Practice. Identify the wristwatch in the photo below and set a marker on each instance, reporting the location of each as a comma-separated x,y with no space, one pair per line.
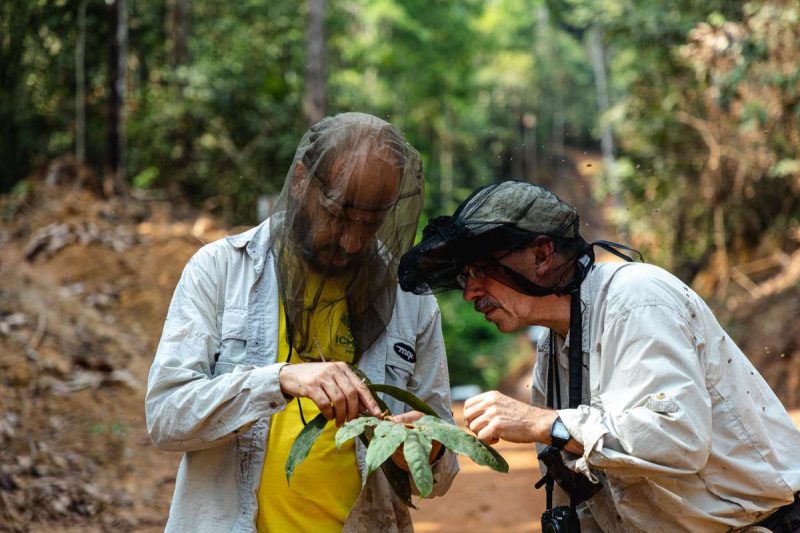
559,435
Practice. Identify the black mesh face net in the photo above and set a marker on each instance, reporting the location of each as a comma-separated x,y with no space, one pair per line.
494,222
348,211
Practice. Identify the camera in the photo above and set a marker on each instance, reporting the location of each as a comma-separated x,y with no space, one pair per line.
560,520
563,519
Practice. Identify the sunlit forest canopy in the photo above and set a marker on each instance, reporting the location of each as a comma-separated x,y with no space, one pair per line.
679,118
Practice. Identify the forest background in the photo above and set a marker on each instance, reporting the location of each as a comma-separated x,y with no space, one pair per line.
673,125
694,107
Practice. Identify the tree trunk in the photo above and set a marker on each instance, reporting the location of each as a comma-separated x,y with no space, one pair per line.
559,119
597,53
527,126
446,170
17,20
117,82
80,85
177,29
315,101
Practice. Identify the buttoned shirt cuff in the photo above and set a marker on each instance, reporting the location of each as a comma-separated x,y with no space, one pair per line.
585,425
264,382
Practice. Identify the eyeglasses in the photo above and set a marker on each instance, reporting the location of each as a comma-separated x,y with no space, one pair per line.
322,187
473,272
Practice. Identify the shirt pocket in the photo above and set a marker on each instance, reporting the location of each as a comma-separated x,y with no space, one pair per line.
401,359
233,341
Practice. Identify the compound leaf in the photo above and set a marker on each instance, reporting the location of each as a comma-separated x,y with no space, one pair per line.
302,444
460,441
397,477
417,451
387,437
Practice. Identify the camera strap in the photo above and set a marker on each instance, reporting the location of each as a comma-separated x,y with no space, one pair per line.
575,350
575,358
575,381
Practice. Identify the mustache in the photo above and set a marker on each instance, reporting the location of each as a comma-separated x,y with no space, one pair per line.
485,304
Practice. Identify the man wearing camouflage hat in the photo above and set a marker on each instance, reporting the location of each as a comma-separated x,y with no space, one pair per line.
663,422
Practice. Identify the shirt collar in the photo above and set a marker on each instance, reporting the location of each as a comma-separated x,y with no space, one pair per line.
255,241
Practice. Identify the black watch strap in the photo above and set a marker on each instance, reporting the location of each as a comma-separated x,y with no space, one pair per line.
559,434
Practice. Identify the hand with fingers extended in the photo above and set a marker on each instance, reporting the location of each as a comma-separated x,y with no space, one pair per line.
333,387
399,456
493,416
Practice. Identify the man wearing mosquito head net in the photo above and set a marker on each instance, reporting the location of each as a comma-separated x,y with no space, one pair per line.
264,331
647,416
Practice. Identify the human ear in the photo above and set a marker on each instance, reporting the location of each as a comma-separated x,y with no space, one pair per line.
299,180
543,249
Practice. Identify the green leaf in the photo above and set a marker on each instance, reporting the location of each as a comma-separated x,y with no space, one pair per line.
353,428
396,476
404,396
302,444
417,451
388,436
460,441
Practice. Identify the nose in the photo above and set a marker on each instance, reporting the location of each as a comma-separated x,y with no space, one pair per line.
352,239
472,289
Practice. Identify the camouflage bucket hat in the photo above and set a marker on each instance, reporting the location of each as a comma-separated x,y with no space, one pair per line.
503,216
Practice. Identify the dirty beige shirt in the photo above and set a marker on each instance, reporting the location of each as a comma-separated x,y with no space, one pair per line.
213,387
679,426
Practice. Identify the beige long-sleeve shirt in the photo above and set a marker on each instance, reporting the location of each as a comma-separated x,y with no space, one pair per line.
214,385
679,426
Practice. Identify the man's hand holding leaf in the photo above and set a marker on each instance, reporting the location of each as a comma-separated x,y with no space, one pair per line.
336,390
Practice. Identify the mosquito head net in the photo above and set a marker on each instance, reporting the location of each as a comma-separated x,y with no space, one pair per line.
348,210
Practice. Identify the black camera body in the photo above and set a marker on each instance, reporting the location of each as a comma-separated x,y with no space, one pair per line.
560,520
563,519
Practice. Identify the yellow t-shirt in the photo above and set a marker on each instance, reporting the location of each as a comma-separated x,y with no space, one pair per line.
325,485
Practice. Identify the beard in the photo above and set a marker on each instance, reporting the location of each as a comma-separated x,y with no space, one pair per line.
320,257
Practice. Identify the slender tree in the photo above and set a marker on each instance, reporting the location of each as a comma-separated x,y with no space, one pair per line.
177,29
315,99
80,84
117,82
598,56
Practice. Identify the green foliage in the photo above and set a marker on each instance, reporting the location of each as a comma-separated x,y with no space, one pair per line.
461,442
226,123
385,437
705,110
417,441
416,451
705,121
354,428
404,396
302,444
